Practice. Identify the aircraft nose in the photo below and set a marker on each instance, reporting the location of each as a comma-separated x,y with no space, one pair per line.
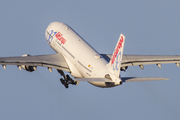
51,30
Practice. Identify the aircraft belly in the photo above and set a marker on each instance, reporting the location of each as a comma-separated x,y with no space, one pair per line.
103,84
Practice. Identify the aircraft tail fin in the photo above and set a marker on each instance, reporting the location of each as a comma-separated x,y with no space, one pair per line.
115,63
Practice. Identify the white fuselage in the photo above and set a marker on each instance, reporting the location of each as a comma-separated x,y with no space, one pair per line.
82,59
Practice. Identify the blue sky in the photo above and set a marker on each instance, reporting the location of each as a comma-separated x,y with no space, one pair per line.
151,28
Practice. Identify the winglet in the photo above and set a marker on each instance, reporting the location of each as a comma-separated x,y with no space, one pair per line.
115,63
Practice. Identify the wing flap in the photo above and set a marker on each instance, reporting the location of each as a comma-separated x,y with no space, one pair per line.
137,79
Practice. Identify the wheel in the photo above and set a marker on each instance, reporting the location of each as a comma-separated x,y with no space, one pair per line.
62,81
67,77
66,85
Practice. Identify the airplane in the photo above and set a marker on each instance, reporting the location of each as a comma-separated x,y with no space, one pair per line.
83,62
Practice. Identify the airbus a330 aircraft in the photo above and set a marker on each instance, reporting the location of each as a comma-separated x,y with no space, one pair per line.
76,56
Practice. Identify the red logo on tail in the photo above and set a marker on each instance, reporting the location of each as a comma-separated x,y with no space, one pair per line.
119,46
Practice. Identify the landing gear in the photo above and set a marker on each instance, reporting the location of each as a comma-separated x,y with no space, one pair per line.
67,80
64,83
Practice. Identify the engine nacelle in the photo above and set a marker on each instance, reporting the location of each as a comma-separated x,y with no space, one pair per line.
124,68
26,67
29,68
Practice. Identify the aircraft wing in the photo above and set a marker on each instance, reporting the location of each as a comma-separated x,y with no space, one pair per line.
56,61
132,60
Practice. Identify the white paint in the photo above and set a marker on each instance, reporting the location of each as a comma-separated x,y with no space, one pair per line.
81,58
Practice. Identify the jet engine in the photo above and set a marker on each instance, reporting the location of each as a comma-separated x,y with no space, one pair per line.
124,68
26,67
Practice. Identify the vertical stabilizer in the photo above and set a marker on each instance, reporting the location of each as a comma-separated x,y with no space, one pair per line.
115,63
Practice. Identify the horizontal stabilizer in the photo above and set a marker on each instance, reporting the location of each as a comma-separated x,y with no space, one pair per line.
93,79
136,79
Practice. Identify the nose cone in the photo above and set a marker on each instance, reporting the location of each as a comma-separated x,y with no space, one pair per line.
54,27
51,30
